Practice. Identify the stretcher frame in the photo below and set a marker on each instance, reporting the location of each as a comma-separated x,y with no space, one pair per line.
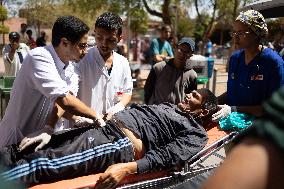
163,179
189,170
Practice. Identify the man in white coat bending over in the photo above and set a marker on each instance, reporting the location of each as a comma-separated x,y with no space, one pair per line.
106,84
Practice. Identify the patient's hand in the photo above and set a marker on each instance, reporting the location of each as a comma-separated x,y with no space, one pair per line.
115,174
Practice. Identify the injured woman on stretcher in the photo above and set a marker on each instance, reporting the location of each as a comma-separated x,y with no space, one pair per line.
138,139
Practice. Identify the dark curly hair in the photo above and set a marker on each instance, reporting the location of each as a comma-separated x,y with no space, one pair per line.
109,21
210,101
70,27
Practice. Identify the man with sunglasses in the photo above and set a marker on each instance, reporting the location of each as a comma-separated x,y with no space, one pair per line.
46,86
170,81
14,54
106,83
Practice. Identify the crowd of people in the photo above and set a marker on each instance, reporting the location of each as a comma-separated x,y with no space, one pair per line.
20,43
68,113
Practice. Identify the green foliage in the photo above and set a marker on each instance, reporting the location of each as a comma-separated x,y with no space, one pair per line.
3,13
4,29
3,16
201,28
186,27
139,20
275,28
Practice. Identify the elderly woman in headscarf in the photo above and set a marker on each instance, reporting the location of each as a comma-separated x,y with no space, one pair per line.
255,71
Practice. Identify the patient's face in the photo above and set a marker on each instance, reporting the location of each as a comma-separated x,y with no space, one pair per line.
192,101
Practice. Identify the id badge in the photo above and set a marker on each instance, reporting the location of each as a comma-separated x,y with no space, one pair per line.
257,78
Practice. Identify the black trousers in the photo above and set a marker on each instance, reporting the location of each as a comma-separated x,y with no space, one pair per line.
69,154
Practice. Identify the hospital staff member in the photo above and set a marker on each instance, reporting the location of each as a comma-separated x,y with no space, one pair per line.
46,78
106,83
255,71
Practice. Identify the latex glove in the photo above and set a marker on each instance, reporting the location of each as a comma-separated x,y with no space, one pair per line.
83,121
113,110
100,122
42,138
224,111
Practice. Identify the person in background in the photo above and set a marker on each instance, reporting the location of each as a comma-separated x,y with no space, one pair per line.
41,40
160,48
23,35
14,54
31,43
255,72
170,81
106,83
208,48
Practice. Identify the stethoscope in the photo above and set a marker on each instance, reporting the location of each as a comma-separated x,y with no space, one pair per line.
257,67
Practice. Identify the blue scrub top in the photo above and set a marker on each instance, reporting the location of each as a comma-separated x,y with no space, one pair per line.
251,84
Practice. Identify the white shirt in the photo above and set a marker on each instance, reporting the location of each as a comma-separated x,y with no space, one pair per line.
13,66
41,80
96,88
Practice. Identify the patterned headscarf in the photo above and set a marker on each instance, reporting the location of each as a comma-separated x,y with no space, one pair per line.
255,21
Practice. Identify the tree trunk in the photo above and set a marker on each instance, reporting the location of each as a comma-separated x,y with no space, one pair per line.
165,14
3,35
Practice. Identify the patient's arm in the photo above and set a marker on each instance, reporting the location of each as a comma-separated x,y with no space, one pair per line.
254,164
114,175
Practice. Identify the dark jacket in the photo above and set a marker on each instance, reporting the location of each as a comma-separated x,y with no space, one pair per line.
170,136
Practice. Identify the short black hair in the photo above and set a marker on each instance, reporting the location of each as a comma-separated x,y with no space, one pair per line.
109,21
210,101
29,32
14,36
69,27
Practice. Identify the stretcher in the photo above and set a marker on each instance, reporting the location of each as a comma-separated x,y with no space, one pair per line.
161,179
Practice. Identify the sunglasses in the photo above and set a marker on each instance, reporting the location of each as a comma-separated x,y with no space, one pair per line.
82,46
239,33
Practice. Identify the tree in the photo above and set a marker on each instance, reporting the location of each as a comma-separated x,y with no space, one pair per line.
39,12
222,10
3,16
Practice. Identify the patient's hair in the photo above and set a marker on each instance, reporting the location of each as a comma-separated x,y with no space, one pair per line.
210,101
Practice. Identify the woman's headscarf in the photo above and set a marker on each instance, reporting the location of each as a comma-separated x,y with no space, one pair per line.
255,21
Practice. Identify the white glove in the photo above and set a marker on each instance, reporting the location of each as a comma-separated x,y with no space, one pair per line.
44,137
83,121
100,122
113,110
224,111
